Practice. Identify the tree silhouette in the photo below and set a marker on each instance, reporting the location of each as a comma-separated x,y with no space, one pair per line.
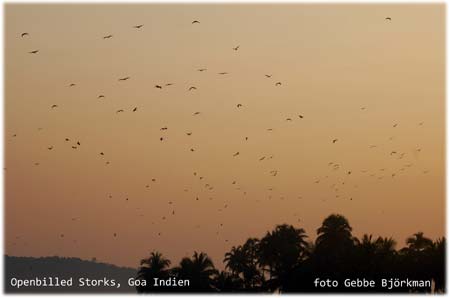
200,272
243,262
280,250
155,266
283,261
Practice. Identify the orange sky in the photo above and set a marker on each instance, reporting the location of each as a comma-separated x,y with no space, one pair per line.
332,61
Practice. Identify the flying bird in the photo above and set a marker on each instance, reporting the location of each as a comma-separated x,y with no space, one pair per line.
54,106
138,26
195,22
196,113
278,84
119,111
34,52
158,86
268,76
25,34
192,88
239,105
78,143
189,133
288,119
72,85
388,19
236,154
101,96
169,84
335,140
223,73
50,148
300,116
236,48
202,69
107,36
124,79
135,109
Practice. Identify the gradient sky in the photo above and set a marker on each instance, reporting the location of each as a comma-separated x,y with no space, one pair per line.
332,61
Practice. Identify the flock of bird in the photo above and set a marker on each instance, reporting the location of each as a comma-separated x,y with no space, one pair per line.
333,166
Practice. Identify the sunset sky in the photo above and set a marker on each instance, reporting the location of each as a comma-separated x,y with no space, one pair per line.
353,75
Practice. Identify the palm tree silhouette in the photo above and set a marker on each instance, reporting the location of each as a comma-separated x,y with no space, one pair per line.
280,250
418,242
199,270
243,263
155,266
284,261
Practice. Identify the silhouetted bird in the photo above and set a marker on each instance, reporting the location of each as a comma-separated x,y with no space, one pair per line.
236,48
201,69
107,36
135,109
300,116
101,96
169,84
124,79
278,84
335,140
268,76
101,153
24,34
239,105
189,133
158,86
192,88
54,106
119,111
288,119
78,143
72,85
50,148
195,22
236,154
196,113
388,19
223,73
34,52
138,26
161,139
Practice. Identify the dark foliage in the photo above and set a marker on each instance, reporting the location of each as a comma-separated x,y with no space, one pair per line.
284,261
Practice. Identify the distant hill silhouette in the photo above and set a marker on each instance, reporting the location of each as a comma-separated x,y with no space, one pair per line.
65,268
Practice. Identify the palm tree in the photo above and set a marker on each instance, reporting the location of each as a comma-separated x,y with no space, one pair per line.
335,250
280,251
199,271
243,262
418,242
155,266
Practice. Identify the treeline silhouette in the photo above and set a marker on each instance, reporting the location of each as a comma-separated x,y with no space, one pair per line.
285,261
